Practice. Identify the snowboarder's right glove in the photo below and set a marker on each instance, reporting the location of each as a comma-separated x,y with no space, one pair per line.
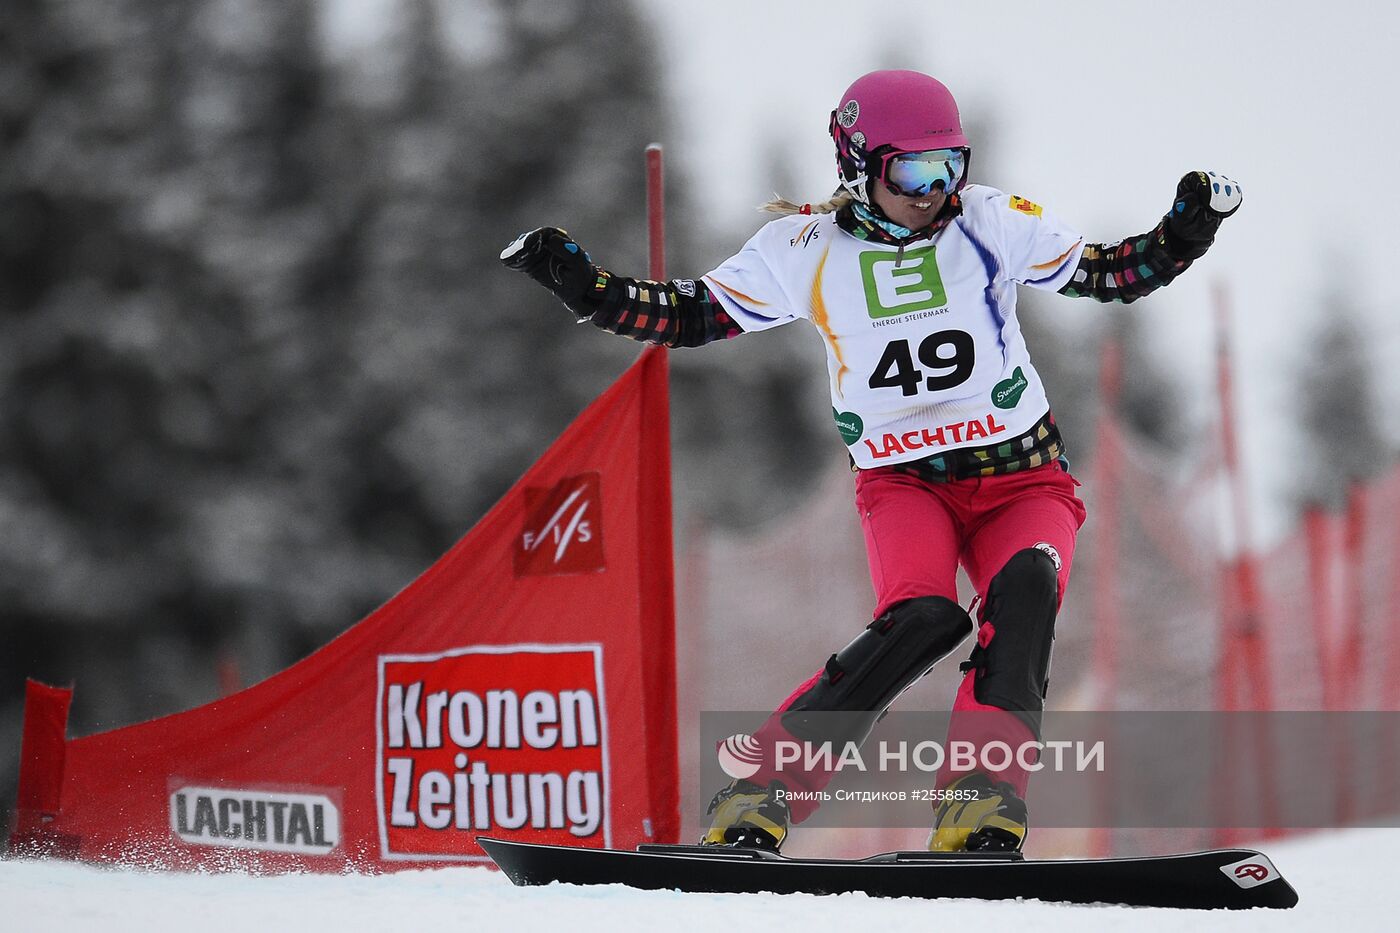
1203,199
549,256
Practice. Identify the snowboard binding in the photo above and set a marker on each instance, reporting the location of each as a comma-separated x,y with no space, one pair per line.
748,815
979,815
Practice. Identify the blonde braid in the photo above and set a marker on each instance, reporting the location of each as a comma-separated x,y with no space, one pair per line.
783,206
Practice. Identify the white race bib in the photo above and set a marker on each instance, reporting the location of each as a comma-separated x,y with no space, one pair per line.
923,348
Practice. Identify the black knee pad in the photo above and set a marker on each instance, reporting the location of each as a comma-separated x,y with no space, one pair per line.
862,679
1012,668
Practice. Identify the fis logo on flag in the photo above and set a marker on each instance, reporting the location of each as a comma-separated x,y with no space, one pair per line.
1025,207
501,740
563,530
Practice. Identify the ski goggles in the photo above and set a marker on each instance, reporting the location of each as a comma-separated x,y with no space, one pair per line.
912,174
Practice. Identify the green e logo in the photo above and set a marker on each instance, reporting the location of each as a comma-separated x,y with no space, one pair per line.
913,285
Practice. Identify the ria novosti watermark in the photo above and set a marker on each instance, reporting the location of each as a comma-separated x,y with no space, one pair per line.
741,756
1137,769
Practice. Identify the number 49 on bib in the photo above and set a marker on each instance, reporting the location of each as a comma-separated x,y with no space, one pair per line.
896,367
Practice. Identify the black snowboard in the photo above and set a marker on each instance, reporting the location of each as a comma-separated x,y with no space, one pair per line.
1223,878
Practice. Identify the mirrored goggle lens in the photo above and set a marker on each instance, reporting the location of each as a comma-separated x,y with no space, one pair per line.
916,173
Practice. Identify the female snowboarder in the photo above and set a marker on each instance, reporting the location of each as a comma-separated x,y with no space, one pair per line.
910,274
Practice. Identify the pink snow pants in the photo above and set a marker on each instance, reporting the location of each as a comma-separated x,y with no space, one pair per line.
916,535
916,532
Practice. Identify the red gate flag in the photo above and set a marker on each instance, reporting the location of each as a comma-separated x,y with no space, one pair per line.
522,687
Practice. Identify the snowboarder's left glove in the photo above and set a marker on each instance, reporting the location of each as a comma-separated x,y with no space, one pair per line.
549,256
1203,199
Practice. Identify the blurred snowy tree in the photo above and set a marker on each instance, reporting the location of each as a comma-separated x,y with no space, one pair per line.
1149,403
258,362
1340,436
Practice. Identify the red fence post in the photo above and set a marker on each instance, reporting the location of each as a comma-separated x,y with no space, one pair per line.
1316,533
1350,679
1107,520
1243,637
1390,698
43,751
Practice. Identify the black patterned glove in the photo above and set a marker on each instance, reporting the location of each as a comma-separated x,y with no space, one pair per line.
1203,199
551,258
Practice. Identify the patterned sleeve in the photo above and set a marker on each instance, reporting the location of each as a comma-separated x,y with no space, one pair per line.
742,296
1127,270
678,313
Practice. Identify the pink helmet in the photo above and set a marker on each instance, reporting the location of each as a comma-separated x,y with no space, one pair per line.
887,111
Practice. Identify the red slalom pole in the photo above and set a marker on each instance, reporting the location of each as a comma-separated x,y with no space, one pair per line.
656,568
656,214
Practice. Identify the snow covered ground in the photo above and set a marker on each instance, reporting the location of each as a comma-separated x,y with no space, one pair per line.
1345,882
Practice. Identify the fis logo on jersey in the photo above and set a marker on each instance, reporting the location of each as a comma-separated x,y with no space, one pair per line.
499,740
806,235
563,531
896,285
1024,206
308,824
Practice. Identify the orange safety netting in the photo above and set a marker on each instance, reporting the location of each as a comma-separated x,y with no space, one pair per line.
1157,617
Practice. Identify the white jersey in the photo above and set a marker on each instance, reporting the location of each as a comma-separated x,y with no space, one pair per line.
924,350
